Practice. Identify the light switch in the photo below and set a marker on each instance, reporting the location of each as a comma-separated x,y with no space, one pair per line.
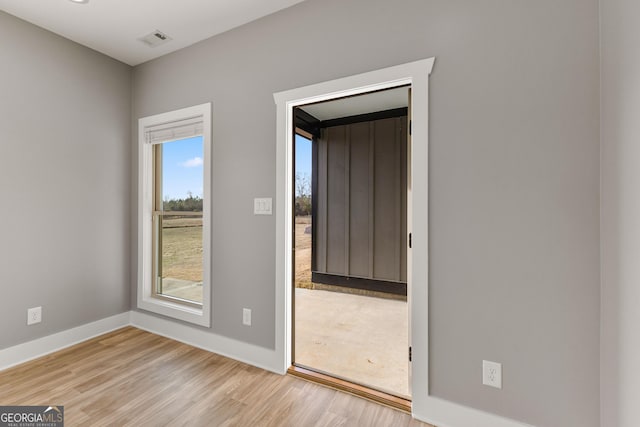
262,206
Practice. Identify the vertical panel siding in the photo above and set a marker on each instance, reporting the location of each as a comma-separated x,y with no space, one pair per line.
362,185
336,221
359,199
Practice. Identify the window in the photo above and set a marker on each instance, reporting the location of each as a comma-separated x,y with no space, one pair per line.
174,214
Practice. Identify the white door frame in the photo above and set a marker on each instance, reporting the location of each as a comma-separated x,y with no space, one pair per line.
415,74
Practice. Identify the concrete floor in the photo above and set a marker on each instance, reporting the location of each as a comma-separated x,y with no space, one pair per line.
359,338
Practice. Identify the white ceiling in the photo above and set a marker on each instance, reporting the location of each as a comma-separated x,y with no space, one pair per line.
113,27
361,104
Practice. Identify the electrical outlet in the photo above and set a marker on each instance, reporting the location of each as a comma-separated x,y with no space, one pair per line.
492,374
246,316
34,315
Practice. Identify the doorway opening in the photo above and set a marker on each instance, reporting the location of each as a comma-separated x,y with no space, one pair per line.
417,75
350,243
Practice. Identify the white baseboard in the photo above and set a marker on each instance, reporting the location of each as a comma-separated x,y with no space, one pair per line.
443,413
22,353
248,353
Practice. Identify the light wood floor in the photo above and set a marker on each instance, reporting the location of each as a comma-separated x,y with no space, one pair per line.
134,378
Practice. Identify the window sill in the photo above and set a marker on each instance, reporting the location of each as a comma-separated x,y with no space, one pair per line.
178,311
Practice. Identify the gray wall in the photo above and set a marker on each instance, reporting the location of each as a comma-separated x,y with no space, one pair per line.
514,178
620,374
64,182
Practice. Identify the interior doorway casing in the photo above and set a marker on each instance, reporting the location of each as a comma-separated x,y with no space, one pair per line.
415,74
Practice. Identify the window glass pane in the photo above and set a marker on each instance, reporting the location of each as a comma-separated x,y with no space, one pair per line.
179,253
181,258
182,174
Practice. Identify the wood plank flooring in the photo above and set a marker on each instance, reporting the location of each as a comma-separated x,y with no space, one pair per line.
134,378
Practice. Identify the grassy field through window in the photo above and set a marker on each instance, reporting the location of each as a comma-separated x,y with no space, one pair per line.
182,259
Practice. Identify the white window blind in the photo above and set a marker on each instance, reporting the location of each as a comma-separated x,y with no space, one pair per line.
179,129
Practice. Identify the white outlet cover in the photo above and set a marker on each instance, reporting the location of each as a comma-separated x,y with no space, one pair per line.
492,374
34,315
246,316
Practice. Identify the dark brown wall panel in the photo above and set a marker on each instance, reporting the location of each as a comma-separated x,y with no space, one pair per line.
386,189
361,200
336,220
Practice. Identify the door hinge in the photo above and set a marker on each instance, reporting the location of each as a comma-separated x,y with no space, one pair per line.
410,122
410,242
410,355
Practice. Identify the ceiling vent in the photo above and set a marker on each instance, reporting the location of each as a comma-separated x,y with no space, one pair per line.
155,38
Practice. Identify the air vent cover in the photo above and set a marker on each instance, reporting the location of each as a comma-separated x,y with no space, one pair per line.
155,38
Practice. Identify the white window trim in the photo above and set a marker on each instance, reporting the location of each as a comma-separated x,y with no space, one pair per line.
199,316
